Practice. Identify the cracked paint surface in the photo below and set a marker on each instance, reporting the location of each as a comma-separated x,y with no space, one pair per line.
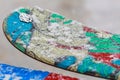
65,43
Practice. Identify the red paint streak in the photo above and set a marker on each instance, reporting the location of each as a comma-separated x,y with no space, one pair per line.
77,47
87,29
106,58
63,46
69,47
54,76
107,32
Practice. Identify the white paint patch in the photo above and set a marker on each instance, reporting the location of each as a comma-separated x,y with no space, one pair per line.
25,17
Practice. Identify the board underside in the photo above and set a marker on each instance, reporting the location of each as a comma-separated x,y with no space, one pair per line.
51,38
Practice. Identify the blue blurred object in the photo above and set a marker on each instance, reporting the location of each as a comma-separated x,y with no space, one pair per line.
8,72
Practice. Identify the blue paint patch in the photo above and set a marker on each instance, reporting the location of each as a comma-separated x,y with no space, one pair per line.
21,73
83,66
15,27
116,62
68,61
89,65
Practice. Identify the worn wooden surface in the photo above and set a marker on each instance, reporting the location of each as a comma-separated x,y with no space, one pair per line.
102,14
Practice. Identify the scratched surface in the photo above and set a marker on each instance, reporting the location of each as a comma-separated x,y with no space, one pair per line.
102,14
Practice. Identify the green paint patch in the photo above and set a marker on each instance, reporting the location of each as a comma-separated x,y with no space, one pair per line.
19,46
105,51
116,38
24,10
53,21
57,16
91,34
67,22
104,45
89,65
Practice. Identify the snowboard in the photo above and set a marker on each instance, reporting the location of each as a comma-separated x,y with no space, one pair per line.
52,38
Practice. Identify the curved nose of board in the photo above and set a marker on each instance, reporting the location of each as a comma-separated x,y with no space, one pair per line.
51,38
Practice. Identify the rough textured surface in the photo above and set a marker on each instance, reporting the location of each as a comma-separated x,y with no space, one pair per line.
8,72
51,38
